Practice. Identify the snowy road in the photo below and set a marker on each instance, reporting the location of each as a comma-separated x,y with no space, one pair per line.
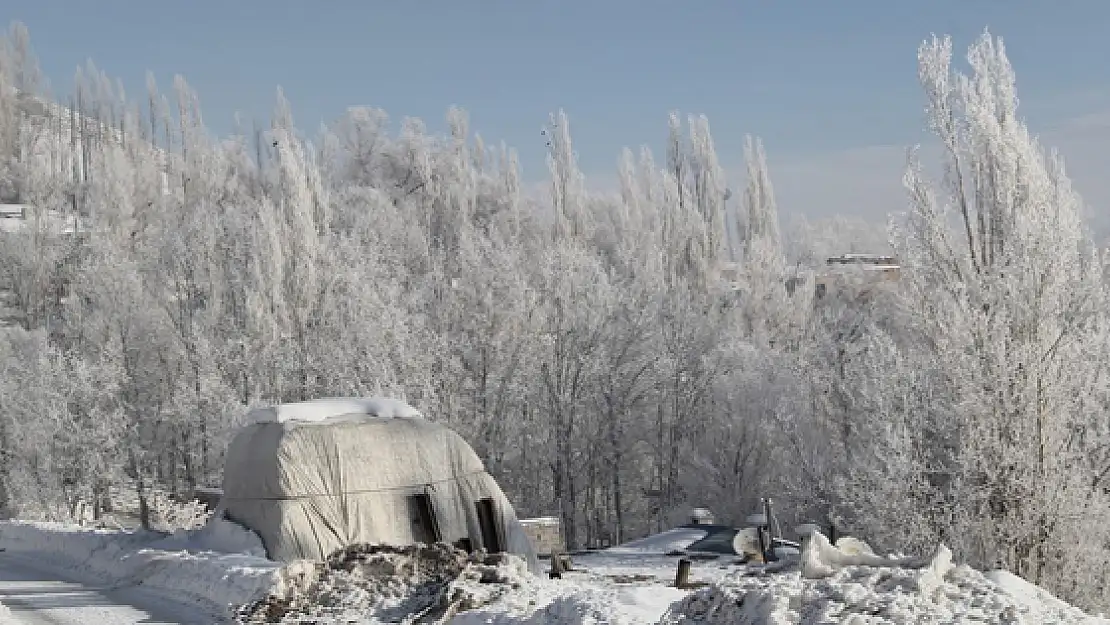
34,595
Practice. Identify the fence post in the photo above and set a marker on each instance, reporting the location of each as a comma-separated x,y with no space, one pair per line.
682,576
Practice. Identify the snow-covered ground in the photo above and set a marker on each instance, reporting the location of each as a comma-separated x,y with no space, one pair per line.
854,586
220,567
210,569
31,595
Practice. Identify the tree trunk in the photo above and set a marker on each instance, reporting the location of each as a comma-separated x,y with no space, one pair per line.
615,468
140,483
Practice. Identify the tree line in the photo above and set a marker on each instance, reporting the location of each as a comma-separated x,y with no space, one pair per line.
615,358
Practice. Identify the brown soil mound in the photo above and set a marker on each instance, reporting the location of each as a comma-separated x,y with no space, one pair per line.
410,584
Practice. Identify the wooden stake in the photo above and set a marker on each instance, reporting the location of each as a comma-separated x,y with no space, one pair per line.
682,576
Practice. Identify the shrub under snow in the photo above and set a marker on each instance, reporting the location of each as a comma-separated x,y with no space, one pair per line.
168,515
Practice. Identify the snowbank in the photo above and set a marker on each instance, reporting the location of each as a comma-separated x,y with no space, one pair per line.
829,584
576,605
1036,601
217,535
189,566
324,409
846,583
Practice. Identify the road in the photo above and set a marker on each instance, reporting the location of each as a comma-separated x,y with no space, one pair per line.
37,595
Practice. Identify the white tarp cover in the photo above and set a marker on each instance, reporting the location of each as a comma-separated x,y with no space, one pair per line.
311,487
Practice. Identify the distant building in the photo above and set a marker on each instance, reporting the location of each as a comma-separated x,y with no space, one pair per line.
701,516
860,269
13,211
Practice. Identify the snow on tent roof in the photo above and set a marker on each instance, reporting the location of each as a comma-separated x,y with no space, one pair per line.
317,410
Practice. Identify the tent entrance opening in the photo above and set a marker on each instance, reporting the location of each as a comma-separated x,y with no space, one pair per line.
487,522
424,527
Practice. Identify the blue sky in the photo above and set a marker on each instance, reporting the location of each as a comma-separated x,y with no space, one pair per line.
830,86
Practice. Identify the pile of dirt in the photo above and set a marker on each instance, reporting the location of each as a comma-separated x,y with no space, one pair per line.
386,584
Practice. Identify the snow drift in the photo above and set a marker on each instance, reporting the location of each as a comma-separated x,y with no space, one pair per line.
850,584
211,568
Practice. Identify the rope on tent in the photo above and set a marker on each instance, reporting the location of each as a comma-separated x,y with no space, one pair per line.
391,489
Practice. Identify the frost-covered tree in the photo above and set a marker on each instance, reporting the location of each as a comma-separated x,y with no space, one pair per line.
970,409
773,307
761,238
1014,303
694,222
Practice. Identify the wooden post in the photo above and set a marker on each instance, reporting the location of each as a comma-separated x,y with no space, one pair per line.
682,576
762,530
558,565
769,554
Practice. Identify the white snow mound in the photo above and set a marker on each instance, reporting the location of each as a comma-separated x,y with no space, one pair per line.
218,535
821,559
855,587
578,605
330,409
189,567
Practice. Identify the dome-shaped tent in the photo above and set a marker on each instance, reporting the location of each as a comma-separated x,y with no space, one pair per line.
314,477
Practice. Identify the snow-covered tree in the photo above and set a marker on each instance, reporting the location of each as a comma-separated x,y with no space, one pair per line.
761,238
969,408
1013,301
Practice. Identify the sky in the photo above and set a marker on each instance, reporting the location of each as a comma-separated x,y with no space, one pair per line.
831,87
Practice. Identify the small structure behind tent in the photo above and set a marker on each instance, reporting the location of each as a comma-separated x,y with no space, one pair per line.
701,516
546,535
